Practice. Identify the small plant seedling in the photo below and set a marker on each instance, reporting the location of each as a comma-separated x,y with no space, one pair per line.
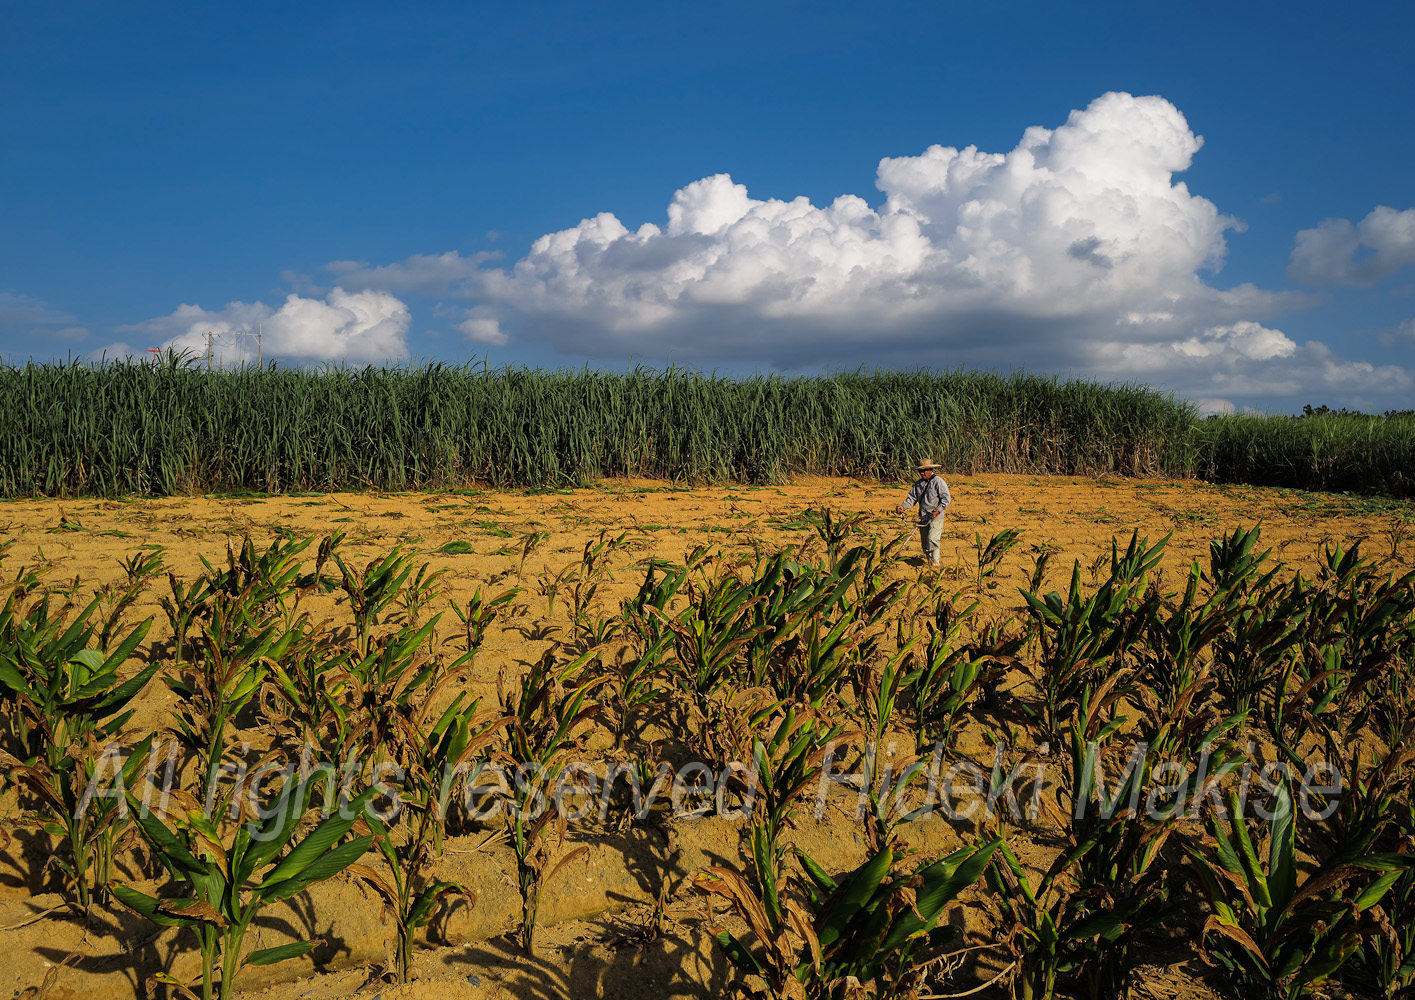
862,927
64,699
1397,534
230,881
990,554
420,591
529,543
545,714
372,589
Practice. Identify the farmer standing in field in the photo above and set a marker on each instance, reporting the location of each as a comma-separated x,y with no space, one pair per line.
931,494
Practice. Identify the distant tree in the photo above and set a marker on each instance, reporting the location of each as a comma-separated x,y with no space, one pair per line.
1326,411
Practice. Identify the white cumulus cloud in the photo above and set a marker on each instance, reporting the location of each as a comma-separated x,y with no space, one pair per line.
1240,340
483,330
1400,335
1077,222
1210,405
1340,253
1250,361
431,274
357,327
1078,251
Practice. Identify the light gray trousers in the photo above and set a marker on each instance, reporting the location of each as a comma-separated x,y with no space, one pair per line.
930,532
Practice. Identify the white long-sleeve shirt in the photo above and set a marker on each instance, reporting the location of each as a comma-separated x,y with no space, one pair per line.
930,494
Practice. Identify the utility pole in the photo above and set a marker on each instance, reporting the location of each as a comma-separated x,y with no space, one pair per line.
208,350
259,352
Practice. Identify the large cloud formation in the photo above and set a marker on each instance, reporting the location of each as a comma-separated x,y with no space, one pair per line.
356,327
1075,223
1340,253
1077,252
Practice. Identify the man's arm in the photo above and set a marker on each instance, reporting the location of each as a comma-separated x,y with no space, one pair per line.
912,498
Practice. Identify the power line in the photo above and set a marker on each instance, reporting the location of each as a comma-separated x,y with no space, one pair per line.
223,339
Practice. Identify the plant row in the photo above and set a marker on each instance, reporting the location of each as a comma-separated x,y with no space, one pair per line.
1172,723
173,427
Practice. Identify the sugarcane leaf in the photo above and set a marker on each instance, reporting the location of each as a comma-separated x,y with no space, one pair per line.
120,656
421,910
1107,926
316,843
148,907
1282,850
850,900
817,874
1237,934
269,956
193,909
738,955
137,756
181,688
943,882
1371,895
326,866
277,829
375,881
174,852
11,677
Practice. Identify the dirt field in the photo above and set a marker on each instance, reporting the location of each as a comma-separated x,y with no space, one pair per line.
599,937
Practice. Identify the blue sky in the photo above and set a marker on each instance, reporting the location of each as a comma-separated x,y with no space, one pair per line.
362,183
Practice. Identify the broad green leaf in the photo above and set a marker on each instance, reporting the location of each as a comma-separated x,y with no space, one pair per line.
326,866
851,898
421,910
817,874
766,874
1282,850
148,906
319,840
276,831
738,955
174,852
11,677
1372,894
125,692
125,649
269,956
943,883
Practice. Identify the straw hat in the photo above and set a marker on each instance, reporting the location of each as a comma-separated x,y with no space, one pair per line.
927,463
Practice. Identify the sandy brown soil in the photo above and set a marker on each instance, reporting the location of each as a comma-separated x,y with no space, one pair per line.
598,938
